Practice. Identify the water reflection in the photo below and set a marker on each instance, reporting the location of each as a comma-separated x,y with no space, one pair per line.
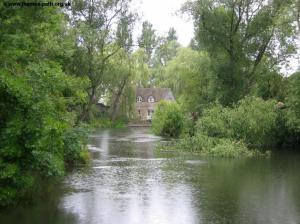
128,183
248,191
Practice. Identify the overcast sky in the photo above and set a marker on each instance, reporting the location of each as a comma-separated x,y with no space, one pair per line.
161,13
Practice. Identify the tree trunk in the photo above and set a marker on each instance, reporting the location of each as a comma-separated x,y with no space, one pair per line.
116,103
85,116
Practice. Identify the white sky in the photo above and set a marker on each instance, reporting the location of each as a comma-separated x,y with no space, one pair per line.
161,13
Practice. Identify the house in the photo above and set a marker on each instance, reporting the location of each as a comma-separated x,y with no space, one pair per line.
103,108
148,98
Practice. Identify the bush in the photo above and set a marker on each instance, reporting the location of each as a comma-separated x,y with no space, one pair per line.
255,121
188,126
252,120
215,122
226,147
230,132
167,119
75,141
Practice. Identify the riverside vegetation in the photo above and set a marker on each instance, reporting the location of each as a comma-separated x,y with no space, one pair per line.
231,80
55,63
51,73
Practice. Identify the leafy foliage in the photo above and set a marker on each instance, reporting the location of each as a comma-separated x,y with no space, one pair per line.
56,64
232,132
96,41
38,101
240,36
252,120
293,105
75,141
167,119
190,70
210,146
147,40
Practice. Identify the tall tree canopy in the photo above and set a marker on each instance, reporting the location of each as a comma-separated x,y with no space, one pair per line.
148,38
97,40
37,99
239,35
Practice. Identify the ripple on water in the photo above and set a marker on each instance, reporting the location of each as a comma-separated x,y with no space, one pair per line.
94,148
102,167
195,162
139,138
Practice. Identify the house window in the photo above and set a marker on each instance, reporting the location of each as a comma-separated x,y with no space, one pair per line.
139,111
139,99
151,99
150,112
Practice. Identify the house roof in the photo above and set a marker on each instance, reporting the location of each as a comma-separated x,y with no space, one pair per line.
157,93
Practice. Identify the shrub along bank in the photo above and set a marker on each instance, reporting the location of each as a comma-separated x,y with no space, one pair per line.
246,129
168,119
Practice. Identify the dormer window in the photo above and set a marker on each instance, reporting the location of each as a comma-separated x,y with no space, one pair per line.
139,99
151,99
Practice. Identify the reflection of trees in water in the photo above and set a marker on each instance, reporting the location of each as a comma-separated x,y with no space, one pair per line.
132,187
247,191
44,209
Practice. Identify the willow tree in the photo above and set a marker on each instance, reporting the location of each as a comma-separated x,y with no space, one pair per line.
188,74
240,36
122,66
94,23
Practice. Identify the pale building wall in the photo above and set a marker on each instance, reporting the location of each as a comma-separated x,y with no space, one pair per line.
144,95
143,107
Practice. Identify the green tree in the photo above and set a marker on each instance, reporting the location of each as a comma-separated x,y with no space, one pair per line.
37,99
121,74
172,34
293,105
141,67
166,49
97,41
147,40
190,77
239,36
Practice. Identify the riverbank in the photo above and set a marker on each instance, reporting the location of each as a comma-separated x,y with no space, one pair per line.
249,128
211,147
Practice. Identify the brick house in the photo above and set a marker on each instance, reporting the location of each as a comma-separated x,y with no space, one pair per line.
147,99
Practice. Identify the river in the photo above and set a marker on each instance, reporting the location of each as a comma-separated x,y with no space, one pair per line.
128,182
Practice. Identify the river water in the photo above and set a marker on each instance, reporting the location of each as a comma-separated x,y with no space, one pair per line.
128,182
